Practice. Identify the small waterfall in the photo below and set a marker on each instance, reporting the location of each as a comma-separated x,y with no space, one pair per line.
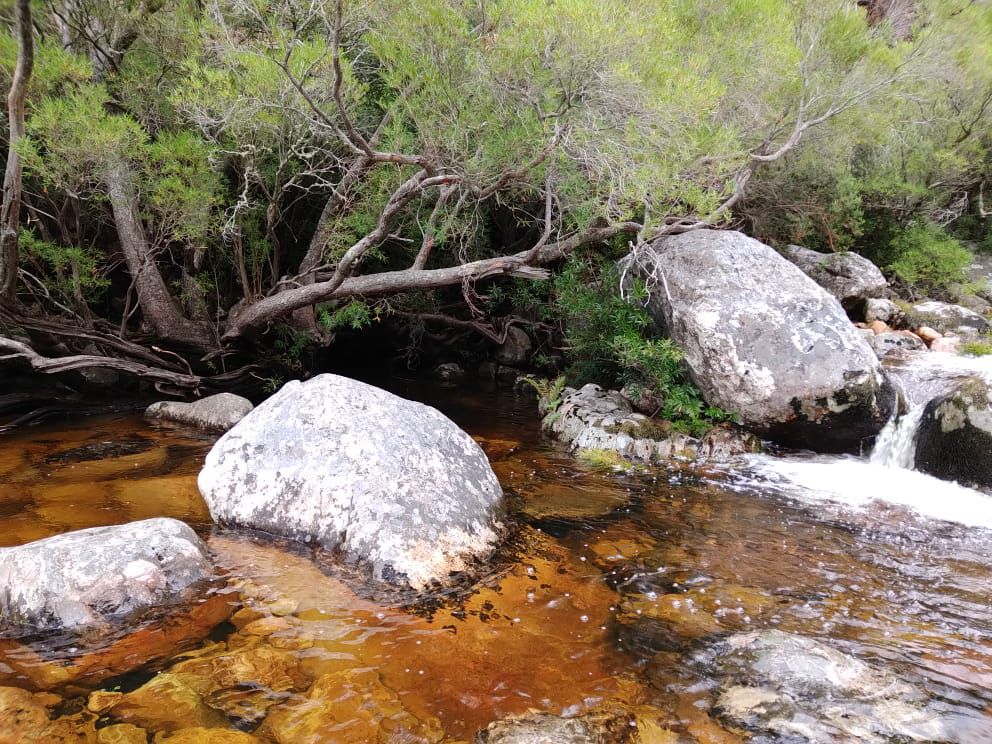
895,446
921,377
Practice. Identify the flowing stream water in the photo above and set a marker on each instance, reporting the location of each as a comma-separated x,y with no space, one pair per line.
609,597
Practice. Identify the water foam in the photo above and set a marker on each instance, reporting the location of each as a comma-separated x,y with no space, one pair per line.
858,483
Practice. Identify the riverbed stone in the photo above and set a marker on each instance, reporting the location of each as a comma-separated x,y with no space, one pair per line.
351,705
886,343
947,318
546,728
167,702
763,340
93,576
387,482
954,440
516,350
214,413
849,277
879,308
200,735
104,652
122,733
794,686
591,418
947,345
27,718
449,372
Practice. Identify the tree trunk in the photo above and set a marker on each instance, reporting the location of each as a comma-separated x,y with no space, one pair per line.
160,309
10,212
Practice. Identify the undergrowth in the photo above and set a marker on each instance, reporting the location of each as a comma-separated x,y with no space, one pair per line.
610,340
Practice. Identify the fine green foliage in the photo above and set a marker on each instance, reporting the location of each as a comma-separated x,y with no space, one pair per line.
72,273
978,347
548,393
606,461
355,315
928,259
250,146
609,342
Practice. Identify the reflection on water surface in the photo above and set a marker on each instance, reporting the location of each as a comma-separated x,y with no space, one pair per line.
617,587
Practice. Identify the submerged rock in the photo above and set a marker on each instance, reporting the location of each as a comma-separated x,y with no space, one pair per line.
215,413
27,717
77,662
99,574
352,705
544,728
449,372
947,318
801,689
851,278
167,702
764,341
954,440
207,736
591,418
388,482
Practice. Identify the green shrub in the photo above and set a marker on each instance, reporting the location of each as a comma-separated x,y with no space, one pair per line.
981,347
608,342
928,259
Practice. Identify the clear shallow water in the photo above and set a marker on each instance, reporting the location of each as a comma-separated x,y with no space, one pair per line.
610,589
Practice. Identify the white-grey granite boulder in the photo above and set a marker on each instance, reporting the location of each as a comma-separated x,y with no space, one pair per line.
215,413
877,308
93,576
851,278
350,467
763,340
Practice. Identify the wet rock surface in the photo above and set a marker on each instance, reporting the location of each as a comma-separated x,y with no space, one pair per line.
947,318
592,418
796,688
763,340
543,728
851,278
386,481
214,413
516,350
896,341
93,576
954,440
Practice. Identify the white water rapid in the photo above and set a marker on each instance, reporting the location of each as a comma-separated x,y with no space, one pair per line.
887,474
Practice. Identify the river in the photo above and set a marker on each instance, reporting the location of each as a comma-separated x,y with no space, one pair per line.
608,596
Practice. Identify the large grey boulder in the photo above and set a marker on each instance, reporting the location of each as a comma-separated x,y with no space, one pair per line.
96,575
801,689
763,340
851,278
954,439
388,482
215,413
947,318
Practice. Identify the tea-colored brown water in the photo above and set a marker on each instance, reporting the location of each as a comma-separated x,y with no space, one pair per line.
611,587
